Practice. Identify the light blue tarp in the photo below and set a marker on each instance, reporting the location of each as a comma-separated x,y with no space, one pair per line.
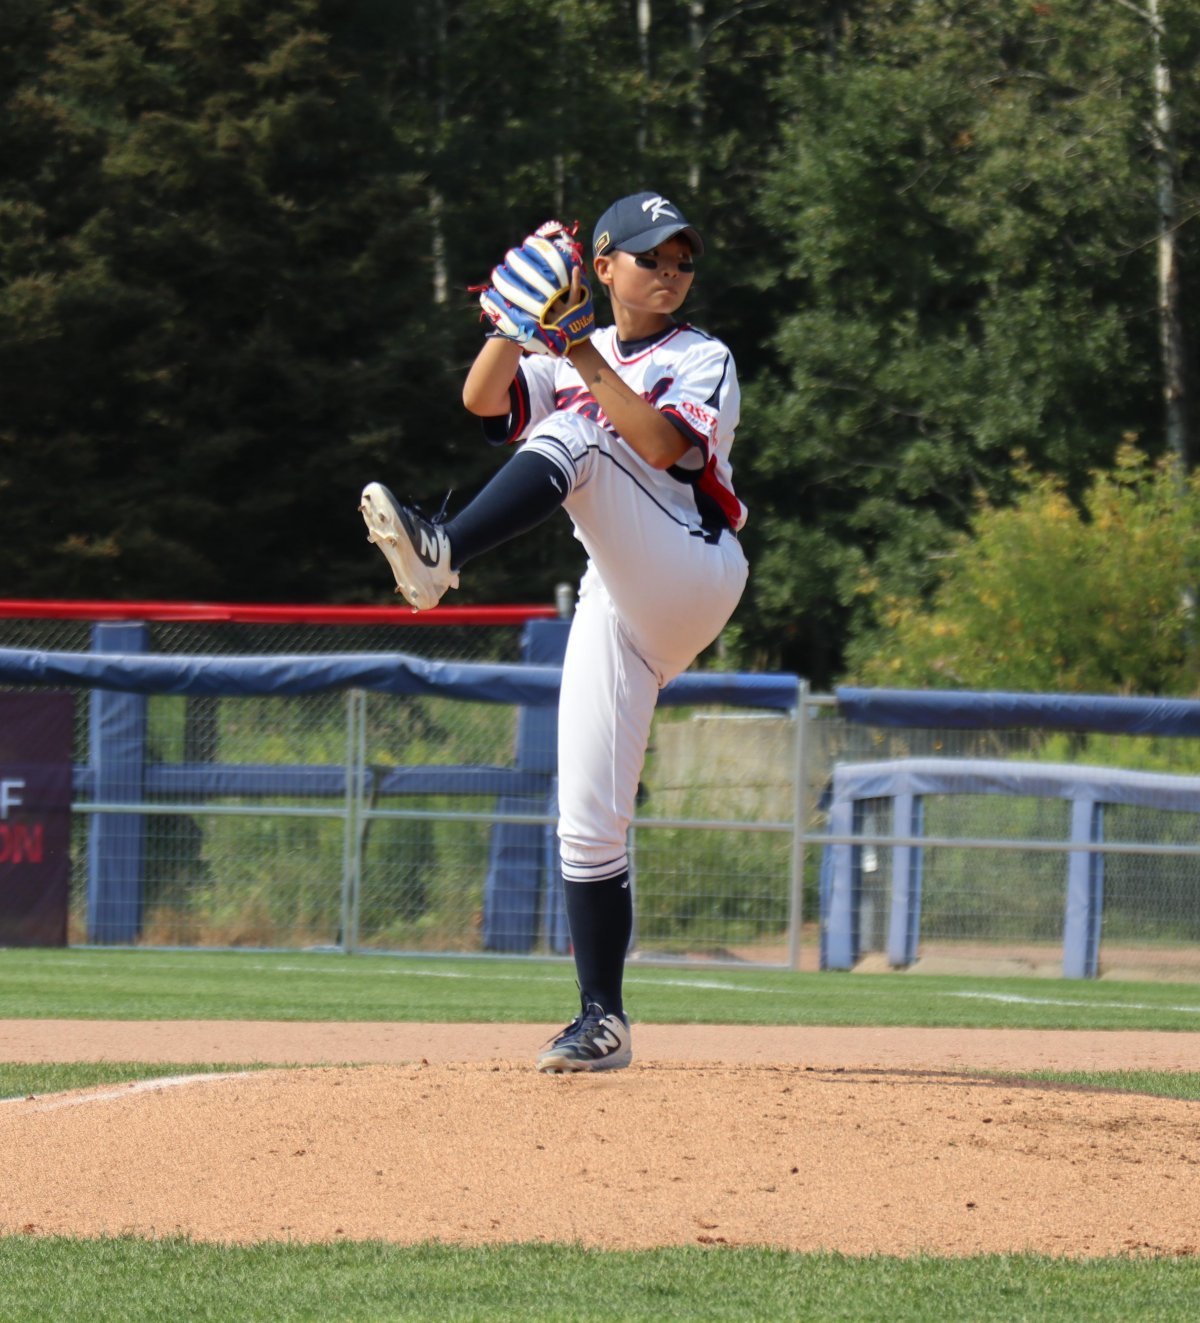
905,782
989,776
975,710
391,673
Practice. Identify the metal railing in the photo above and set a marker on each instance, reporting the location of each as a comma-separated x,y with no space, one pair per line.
370,821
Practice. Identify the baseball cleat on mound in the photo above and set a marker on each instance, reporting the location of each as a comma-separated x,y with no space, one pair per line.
592,1041
417,549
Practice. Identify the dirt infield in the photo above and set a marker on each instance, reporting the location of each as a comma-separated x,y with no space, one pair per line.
856,1140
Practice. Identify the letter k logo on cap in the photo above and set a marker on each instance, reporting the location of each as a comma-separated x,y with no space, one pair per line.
658,208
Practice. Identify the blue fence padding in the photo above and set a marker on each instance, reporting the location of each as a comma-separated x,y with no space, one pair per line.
976,710
391,673
116,845
1084,905
908,871
121,674
513,889
556,931
778,692
543,643
982,776
522,885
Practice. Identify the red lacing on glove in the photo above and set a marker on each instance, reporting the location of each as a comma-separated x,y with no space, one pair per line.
568,234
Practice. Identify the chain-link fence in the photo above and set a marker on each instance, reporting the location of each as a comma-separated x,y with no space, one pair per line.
442,837
981,876
462,634
180,629
475,867
240,832
358,820
399,822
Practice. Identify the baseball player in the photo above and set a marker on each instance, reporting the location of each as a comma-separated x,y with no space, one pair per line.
629,430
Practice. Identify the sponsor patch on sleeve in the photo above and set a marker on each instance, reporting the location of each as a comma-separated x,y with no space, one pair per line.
704,420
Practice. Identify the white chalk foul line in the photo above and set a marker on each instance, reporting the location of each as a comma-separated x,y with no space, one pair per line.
696,983
399,972
1016,999
128,1090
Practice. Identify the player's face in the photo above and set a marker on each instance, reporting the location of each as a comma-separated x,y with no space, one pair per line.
653,283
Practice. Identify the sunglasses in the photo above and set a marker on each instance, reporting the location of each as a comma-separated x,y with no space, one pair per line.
685,267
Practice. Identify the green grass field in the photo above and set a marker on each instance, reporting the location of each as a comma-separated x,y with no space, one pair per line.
155,985
129,1281
123,1279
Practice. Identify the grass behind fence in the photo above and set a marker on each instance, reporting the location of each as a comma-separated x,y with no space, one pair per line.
268,881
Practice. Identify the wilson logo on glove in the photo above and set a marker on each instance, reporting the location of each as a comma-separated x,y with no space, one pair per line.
577,326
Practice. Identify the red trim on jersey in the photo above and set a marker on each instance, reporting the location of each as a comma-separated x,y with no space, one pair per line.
650,348
258,614
681,424
712,486
518,407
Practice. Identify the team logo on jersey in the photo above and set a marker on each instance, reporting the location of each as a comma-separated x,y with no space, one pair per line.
658,208
576,399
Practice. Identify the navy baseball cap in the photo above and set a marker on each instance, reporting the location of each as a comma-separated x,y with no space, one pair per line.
640,222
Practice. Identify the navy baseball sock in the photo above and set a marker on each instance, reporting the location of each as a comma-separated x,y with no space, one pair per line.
600,915
526,492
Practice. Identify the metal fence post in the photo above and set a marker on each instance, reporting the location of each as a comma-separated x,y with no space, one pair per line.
799,823
1084,903
352,827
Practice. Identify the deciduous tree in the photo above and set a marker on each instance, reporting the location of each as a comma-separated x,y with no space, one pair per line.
1047,595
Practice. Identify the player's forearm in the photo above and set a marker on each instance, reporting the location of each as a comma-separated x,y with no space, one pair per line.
485,391
639,424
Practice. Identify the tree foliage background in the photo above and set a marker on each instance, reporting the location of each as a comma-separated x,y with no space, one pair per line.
1048,594
236,236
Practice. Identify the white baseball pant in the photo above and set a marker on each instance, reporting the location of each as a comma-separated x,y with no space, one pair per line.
654,595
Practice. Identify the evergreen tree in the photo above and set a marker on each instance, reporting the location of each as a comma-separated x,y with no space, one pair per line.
229,232
965,207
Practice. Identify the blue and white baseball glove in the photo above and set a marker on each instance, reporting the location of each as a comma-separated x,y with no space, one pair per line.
535,297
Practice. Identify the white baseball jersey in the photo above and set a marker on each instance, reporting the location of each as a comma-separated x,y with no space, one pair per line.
689,376
665,568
